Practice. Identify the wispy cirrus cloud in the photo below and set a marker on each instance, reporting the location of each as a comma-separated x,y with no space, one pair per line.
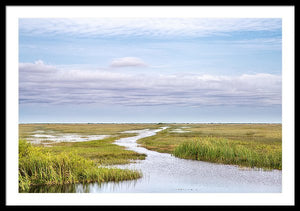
45,84
153,27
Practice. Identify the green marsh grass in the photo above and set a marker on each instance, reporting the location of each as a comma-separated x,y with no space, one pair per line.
38,166
253,145
103,152
25,130
75,162
226,151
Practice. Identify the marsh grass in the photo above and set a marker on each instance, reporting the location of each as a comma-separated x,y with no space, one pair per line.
252,145
55,163
226,151
25,130
38,166
102,152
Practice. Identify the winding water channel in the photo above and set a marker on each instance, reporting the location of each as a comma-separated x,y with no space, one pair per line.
164,173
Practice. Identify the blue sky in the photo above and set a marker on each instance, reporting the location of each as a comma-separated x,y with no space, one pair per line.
150,70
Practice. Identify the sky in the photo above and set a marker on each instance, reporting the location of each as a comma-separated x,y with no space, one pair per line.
120,70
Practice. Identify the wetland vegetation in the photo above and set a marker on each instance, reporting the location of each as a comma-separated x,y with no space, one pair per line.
38,166
54,163
251,145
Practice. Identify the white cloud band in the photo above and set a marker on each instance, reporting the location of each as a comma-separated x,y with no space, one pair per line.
40,83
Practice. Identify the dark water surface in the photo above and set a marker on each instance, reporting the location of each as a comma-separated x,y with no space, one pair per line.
164,173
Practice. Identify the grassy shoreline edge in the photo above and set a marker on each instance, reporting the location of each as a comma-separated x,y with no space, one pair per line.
38,166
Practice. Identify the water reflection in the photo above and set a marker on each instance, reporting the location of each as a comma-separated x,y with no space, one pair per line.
108,187
84,188
69,188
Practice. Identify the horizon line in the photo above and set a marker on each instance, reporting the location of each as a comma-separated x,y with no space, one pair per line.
150,122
